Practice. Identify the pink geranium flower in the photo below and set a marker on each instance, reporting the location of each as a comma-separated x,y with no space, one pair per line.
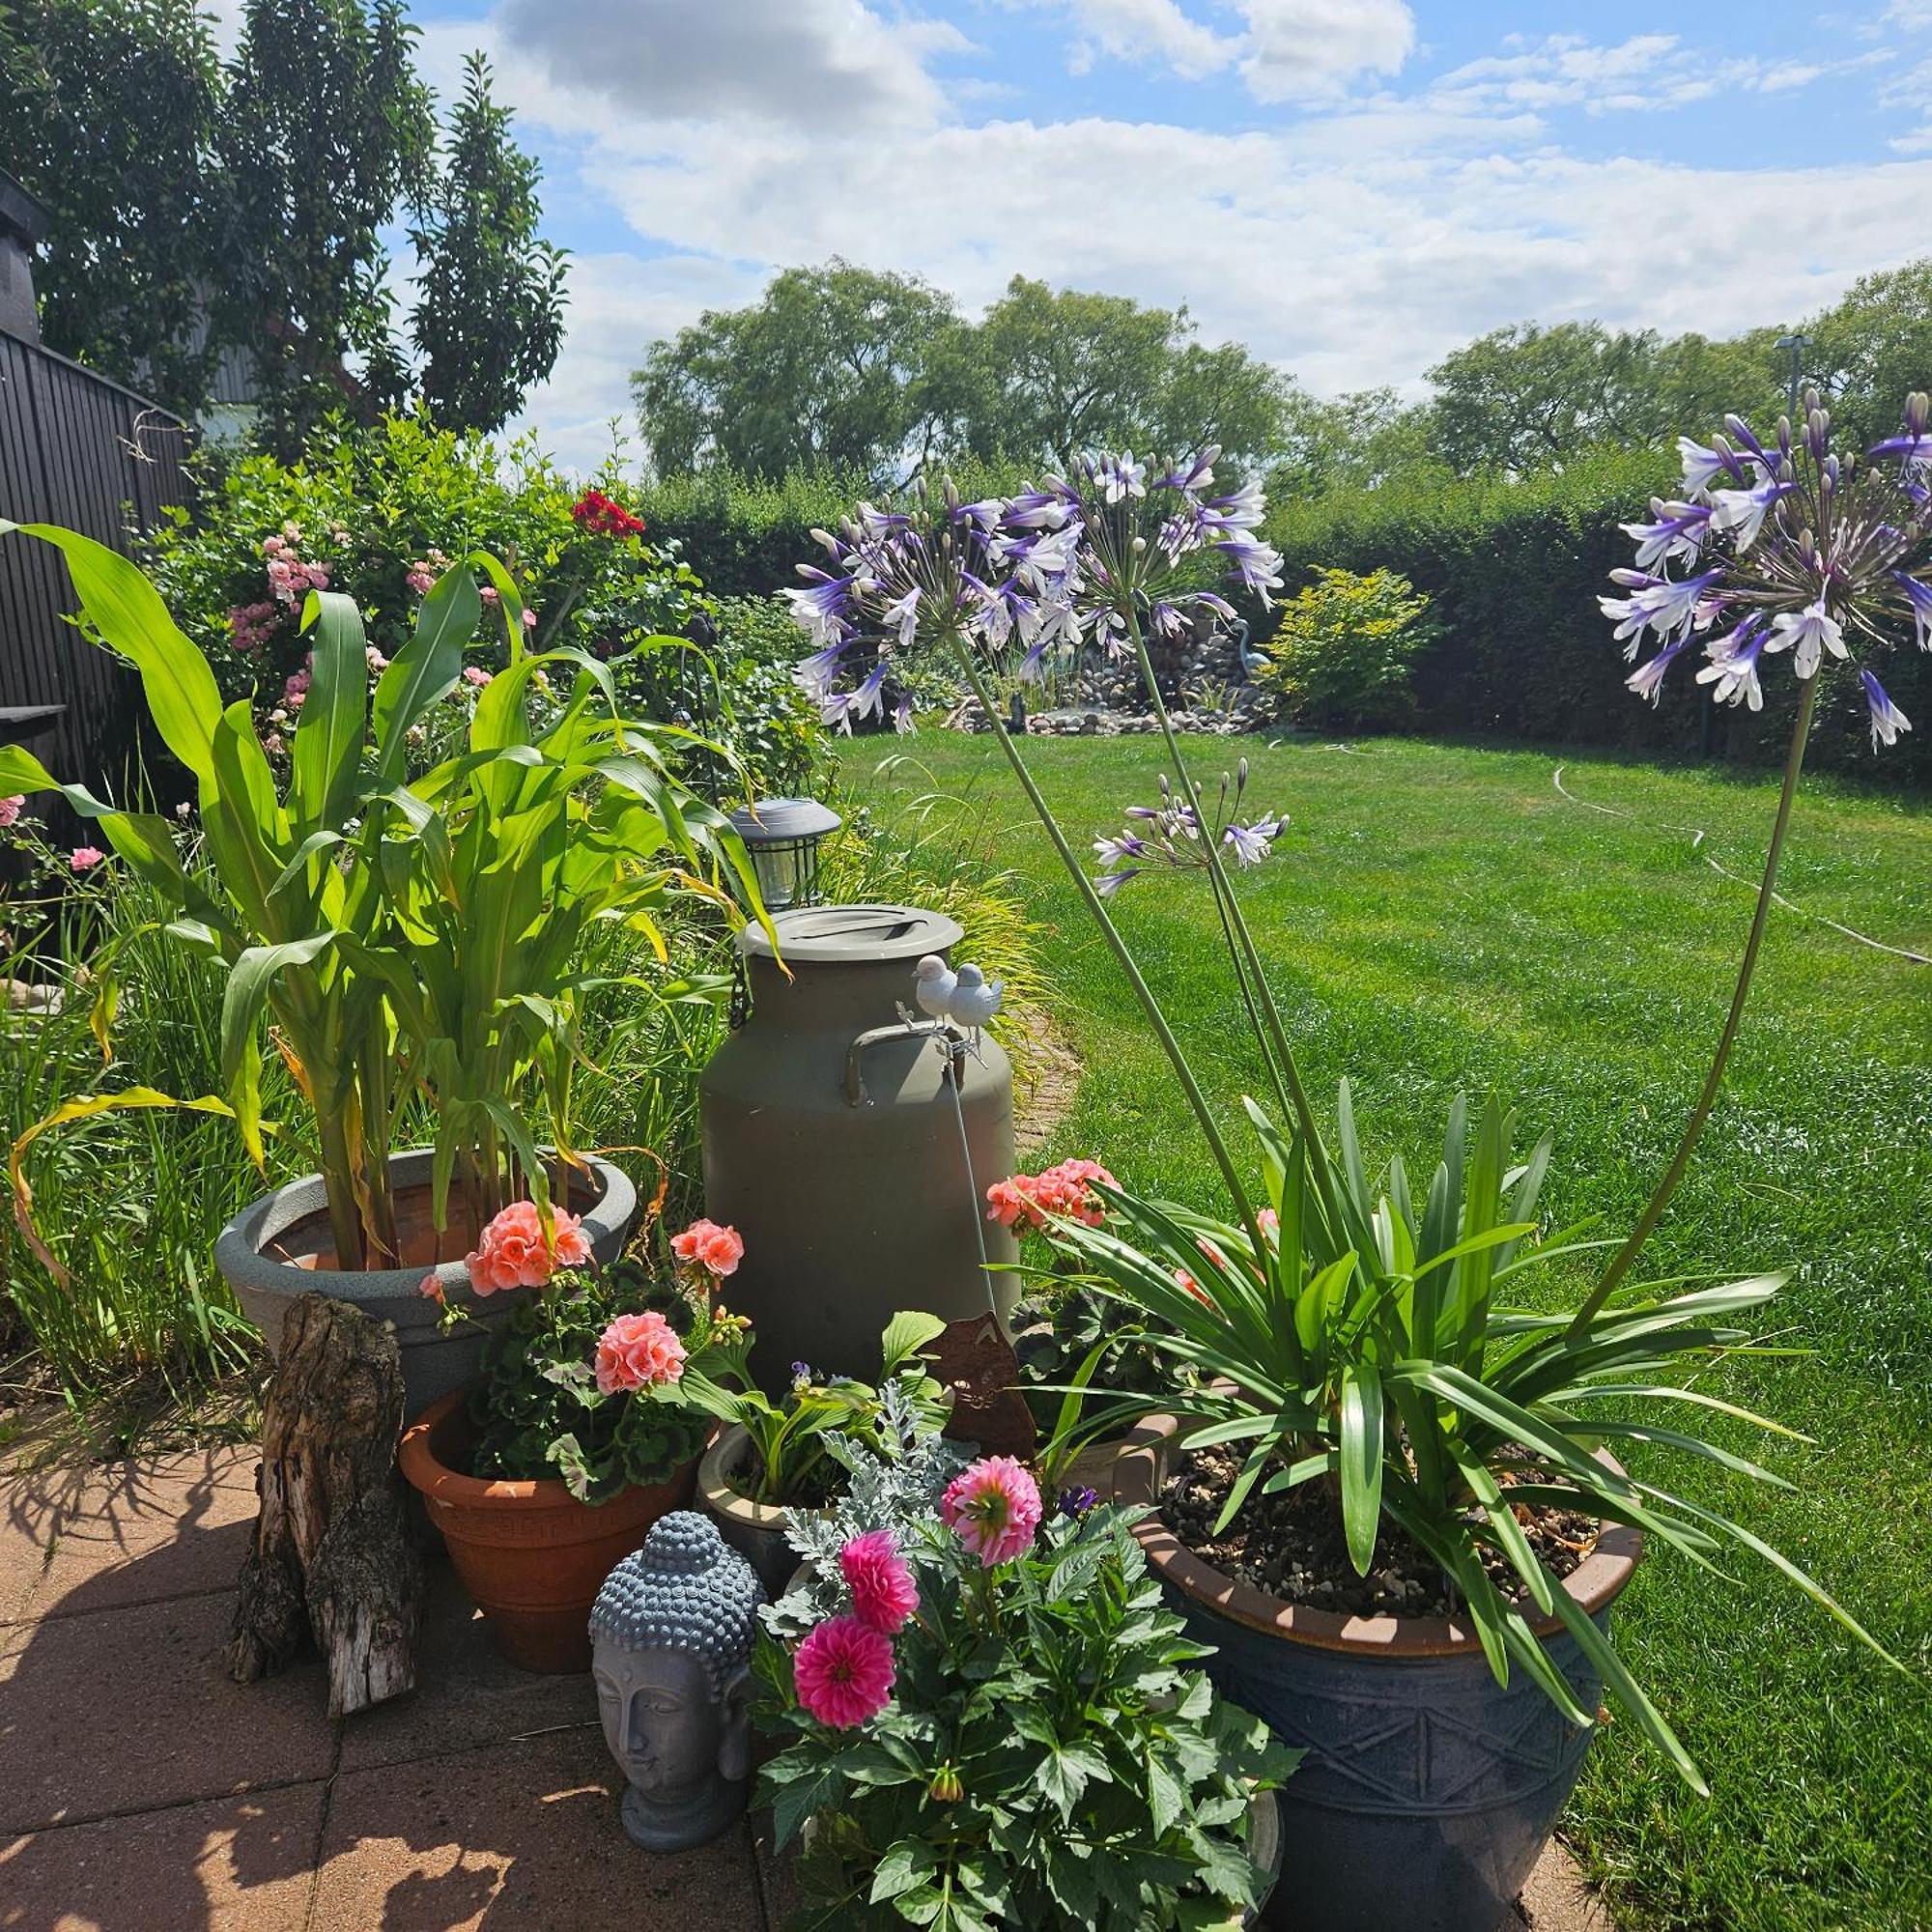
843,1671
1033,1199
9,808
84,857
993,1507
475,674
715,1249
431,1288
883,1592
637,1351
512,1252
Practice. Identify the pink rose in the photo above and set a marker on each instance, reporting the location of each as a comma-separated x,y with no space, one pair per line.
84,857
637,1351
993,1507
843,1671
715,1249
512,1252
883,1593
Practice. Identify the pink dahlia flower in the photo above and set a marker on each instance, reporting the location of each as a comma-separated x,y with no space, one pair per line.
512,1252
843,1671
993,1507
883,1593
715,1249
637,1351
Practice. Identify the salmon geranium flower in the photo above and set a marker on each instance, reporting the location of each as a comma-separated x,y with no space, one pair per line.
512,1251
637,1351
715,1249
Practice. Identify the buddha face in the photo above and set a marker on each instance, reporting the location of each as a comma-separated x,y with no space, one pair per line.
665,1726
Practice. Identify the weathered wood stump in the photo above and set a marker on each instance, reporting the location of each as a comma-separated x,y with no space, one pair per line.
332,1561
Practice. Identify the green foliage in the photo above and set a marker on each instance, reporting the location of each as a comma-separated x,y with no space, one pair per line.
113,107
413,942
790,1436
1052,1756
323,129
828,368
371,507
538,1408
489,318
1364,1346
1344,654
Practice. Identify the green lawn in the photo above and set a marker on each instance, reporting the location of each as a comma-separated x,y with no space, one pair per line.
1439,918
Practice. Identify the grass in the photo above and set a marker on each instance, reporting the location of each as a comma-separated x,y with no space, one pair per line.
1439,917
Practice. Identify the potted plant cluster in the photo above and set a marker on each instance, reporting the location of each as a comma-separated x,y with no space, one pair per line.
580,1431
1416,1476
772,1457
990,1721
414,940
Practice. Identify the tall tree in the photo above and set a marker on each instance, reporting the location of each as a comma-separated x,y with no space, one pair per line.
829,367
489,318
1358,440
326,130
1870,351
112,107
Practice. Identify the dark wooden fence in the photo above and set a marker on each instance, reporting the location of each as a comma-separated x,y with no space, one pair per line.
80,450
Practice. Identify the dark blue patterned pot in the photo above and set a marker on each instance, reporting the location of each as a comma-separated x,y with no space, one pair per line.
1428,1790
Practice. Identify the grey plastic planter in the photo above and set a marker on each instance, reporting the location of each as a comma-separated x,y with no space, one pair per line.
757,1531
278,1247
1428,1791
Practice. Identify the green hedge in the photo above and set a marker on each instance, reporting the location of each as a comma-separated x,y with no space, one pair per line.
1513,572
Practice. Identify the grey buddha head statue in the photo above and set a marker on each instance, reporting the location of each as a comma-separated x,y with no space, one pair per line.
671,1634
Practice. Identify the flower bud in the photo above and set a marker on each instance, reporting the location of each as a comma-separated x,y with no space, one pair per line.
1140,544
946,1787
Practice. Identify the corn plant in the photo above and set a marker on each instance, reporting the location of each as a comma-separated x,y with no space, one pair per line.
408,938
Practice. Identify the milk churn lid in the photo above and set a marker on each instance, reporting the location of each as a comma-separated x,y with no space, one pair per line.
853,935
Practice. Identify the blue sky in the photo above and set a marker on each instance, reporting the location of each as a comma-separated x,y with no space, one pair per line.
1350,186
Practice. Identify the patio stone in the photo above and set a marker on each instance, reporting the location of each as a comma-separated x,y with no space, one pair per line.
522,1838
232,1865
125,1708
467,1693
141,1532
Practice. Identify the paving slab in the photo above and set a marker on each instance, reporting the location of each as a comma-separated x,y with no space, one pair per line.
140,1532
1558,1898
518,1837
467,1694
35,1507
123,1710
233,1864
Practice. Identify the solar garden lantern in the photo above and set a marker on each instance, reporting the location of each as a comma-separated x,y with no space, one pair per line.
783,836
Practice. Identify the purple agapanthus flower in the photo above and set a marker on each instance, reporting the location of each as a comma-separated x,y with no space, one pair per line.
1171,833
1782,544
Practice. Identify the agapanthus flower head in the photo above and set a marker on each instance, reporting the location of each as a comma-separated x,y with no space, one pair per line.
1784,545
993,1507
1175,834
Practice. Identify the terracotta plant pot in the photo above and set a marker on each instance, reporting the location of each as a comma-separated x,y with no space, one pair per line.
1428,1790
531,1556
757,1531
280,1246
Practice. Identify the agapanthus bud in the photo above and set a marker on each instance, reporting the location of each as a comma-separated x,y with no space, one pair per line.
1241,774
1916,411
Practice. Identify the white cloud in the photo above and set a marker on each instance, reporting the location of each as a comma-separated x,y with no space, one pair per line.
1308,49
808,62
1151,30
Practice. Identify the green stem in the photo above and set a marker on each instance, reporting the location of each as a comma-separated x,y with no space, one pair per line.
1277,1032
1620,1265
345,1223
1098,906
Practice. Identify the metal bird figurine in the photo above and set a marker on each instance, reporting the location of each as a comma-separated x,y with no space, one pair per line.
932,986
974,1001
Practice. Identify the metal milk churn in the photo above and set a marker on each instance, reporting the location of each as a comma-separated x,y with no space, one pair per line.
832,1142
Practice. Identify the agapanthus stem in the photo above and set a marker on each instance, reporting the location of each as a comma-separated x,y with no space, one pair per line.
1098,906
1282,1059
1626,1256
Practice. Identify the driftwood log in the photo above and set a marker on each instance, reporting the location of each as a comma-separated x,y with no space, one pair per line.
333,1560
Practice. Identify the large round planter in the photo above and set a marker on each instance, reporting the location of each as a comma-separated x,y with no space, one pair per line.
1428,1791
531,1556
757,1531
280,1247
